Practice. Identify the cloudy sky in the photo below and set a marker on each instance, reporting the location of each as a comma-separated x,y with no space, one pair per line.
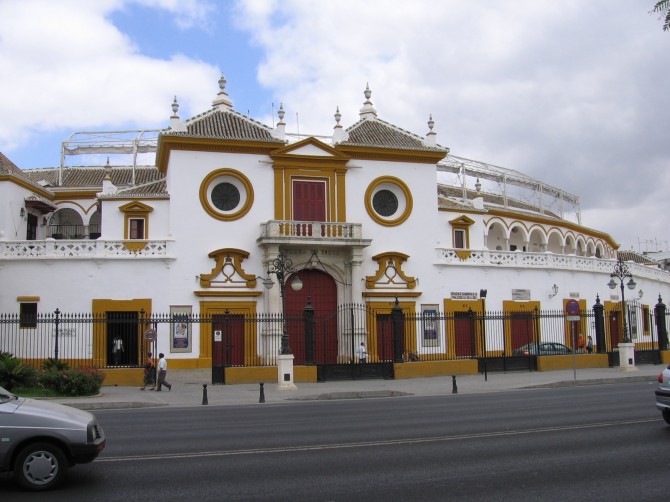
573,92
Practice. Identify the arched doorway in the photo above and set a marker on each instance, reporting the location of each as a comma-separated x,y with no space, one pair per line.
321,290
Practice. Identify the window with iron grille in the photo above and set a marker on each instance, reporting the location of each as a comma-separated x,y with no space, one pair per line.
28,315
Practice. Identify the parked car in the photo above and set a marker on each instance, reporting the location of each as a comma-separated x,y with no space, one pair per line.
542,349
663,394
40,440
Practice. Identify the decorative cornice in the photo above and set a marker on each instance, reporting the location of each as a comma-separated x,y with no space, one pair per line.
391,155
167,143
228,294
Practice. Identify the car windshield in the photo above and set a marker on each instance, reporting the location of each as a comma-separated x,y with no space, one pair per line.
5,395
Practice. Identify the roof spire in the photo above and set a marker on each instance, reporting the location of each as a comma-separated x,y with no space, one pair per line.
175,123
431,137
279,131
339,134
222,102
368,111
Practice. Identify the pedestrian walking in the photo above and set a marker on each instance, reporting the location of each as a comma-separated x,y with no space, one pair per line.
162,372
149,373
362,354
589,344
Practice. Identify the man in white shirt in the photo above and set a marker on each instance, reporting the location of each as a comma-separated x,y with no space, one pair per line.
162,371
362,354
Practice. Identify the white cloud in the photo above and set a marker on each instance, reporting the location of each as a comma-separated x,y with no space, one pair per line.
569,92
71,68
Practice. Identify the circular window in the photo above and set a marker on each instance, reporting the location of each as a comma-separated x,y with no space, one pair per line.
388,201
226,194
385,203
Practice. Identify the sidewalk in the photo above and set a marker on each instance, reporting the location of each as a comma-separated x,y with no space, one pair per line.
187,388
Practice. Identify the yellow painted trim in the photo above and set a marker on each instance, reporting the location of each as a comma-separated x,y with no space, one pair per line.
99,308
212,210
382,260
167,143
369,193
135,245
509,307
391,154
67,194
463,254
135,210
228,294
247,309
450,308
36,189
391,294
567,362
427,369
27,298
223,257
331,170
581,327
376,308
76,204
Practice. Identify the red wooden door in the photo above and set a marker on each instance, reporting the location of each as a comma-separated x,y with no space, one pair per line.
309,200
385,338
228,340
464,332
522,333
614,329
321,289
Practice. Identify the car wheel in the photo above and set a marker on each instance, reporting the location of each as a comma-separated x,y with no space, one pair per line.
40,466
666,415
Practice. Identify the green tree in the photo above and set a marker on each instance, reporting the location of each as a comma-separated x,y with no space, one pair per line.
663,7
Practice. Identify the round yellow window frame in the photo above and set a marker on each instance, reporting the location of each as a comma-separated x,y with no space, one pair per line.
374,187
212,178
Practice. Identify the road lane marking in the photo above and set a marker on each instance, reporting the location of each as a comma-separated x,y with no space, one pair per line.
362,444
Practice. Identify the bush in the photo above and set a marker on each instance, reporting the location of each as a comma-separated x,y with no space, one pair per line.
52,364
72,382
14,373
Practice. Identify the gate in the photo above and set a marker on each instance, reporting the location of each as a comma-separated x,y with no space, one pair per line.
337,336
227,344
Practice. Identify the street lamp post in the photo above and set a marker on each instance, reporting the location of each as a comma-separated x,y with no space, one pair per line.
621,272
281,267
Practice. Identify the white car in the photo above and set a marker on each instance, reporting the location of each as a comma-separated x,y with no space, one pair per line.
663,394
40,440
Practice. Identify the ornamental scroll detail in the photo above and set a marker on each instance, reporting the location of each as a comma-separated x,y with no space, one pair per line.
390,273
228,271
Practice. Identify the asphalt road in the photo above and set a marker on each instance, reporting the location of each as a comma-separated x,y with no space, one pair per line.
598,442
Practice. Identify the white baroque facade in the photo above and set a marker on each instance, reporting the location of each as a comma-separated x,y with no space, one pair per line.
371,209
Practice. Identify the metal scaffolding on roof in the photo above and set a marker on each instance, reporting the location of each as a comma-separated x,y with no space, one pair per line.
510,183
139,145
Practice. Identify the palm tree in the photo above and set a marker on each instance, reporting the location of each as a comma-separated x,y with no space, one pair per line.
663,7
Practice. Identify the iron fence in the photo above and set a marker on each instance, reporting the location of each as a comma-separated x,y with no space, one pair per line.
119,339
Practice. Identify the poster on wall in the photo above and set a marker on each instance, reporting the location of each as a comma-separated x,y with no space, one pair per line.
180,328
431,326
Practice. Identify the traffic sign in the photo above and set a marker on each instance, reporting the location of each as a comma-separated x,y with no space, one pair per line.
572,308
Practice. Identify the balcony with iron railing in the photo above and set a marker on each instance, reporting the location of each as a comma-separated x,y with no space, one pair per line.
313,233
58,232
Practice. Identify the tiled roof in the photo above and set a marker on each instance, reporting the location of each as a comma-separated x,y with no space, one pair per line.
8,167
227,124
637,258
153,189
380,134
91,177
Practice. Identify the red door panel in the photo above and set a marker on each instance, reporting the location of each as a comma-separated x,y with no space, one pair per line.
309,200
